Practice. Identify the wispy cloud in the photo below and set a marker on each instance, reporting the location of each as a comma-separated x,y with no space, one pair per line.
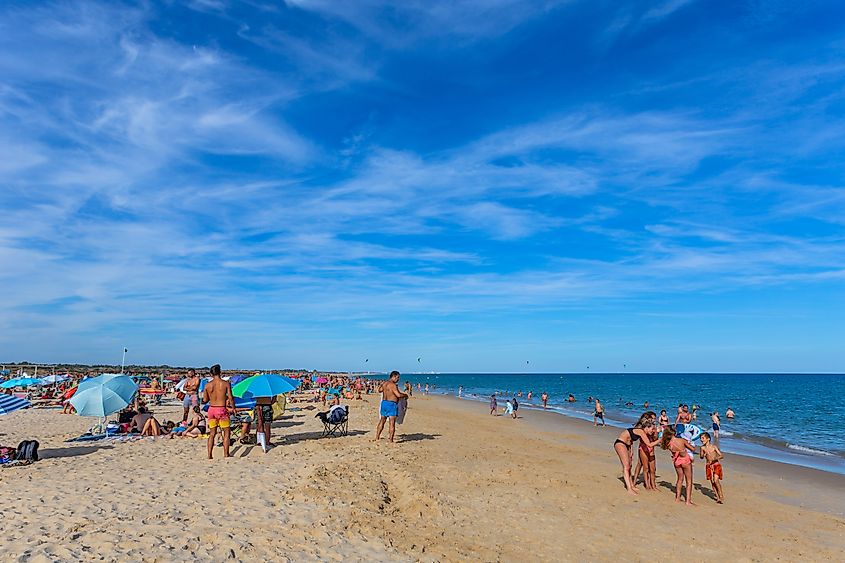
266,179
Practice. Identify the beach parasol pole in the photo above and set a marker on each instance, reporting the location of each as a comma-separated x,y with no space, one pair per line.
123,361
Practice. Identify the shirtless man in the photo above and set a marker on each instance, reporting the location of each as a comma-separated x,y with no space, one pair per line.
545,398
684,415
218,393
598,413
390,404
190,389
717,425
729,413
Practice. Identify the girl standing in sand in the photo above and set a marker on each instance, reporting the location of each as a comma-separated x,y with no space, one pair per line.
681,460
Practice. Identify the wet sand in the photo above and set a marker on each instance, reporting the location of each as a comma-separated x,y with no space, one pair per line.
461,485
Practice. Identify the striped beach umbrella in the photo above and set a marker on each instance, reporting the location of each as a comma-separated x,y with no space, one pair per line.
10,403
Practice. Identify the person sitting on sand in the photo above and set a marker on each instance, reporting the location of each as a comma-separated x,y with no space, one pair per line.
153,428
624,447
196,424
389,408
681,460
139,420
713,456
218,393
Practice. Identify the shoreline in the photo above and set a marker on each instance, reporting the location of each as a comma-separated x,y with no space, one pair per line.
811,482
460,485
735,445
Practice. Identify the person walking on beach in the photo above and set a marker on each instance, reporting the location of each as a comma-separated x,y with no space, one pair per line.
494,405
218,394
717,425
389,409
545,398
598,413
191,391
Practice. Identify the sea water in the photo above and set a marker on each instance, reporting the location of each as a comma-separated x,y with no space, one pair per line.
792,418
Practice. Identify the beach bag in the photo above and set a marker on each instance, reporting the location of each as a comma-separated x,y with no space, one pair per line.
27,451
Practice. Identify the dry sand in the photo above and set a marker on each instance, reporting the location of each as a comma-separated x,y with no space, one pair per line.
461,485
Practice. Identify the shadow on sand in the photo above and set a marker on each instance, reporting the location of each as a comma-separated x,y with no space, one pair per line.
417,437
72,451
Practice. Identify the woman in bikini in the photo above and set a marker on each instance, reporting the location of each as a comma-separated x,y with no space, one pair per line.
624,447
680,459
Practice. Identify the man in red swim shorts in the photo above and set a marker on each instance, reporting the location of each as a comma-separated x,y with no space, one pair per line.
218,393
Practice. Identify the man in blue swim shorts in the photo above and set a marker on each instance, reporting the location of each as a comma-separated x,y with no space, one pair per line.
389,410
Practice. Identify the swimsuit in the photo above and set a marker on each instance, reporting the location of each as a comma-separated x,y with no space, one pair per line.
218,416
389,408
264,412
679,459
715,427
714,471
634,438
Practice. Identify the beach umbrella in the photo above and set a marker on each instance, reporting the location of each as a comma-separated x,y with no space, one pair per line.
103,395
321,380
21,382
10,403
240,403
264,385
51,379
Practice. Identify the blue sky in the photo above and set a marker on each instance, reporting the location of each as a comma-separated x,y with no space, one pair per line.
313,183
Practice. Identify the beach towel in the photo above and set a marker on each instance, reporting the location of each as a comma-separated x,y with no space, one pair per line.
403,408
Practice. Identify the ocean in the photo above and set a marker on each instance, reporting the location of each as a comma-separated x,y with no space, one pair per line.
791,418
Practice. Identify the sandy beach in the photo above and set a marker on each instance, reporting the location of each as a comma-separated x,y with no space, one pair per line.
460,485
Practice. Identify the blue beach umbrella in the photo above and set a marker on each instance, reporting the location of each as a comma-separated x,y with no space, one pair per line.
10,403
21,382
264,385
51,379
103,395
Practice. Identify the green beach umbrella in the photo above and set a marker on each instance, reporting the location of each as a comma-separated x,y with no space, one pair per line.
264,385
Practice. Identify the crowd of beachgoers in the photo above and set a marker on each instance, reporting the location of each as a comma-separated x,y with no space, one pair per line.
210,410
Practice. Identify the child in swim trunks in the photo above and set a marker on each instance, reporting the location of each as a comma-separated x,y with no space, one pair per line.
713,456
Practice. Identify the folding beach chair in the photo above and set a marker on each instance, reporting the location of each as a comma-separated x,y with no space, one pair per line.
335,422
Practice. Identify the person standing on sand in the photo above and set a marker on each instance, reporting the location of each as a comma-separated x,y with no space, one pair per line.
598,413
389,409
191,391
681,460
515,407
218,393
494,405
